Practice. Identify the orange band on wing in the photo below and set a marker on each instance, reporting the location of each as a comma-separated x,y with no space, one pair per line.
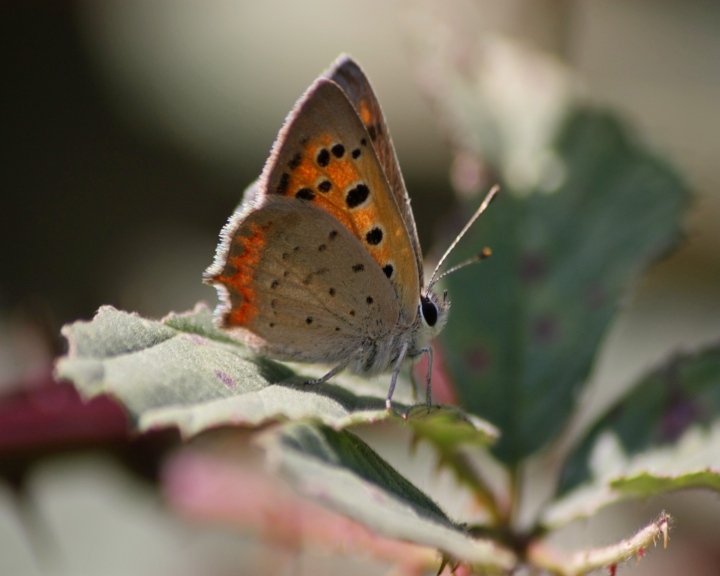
342,173
324,177
241,281
365,114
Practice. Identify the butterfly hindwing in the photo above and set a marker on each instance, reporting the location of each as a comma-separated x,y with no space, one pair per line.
283,300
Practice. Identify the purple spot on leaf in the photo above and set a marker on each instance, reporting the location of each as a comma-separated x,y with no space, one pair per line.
478,360
533,267
197,339
595,297
225,379
378,497
322,495
545,330
677,419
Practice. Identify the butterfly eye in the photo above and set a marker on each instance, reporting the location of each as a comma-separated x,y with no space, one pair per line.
429,310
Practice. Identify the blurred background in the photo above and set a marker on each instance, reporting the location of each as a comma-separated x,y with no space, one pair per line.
130,130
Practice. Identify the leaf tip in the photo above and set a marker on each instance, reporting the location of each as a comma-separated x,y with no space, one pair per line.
663,523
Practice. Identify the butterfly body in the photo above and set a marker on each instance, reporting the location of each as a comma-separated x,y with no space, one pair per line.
321,261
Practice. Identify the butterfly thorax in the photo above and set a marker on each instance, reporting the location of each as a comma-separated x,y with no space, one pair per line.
380,354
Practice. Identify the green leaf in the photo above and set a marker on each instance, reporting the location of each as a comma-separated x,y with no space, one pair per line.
655,411
644,483
527,323
663,435
693,462
183,371
340,471
448,429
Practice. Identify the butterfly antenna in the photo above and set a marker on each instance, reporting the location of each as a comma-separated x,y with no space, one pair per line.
481,256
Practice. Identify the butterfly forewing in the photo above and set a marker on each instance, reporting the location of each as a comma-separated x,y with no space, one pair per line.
324,157
350,77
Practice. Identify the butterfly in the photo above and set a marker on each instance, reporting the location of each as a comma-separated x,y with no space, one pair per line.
321,261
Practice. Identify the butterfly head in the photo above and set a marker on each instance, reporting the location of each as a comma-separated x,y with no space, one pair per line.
433,315
433,310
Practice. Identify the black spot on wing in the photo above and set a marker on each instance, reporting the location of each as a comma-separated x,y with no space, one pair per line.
283,184
295,161
374,237
323,158
305,194
356,196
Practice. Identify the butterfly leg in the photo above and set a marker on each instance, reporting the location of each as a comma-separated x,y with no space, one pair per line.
396,371
428,379
413,381
339,368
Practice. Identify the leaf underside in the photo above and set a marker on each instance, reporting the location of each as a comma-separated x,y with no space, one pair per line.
183,371
340,471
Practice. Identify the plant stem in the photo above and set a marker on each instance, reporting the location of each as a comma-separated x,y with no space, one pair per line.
468,475
514,491
584,561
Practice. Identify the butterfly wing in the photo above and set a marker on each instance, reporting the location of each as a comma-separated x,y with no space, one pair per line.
324,157
282,299
350,77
